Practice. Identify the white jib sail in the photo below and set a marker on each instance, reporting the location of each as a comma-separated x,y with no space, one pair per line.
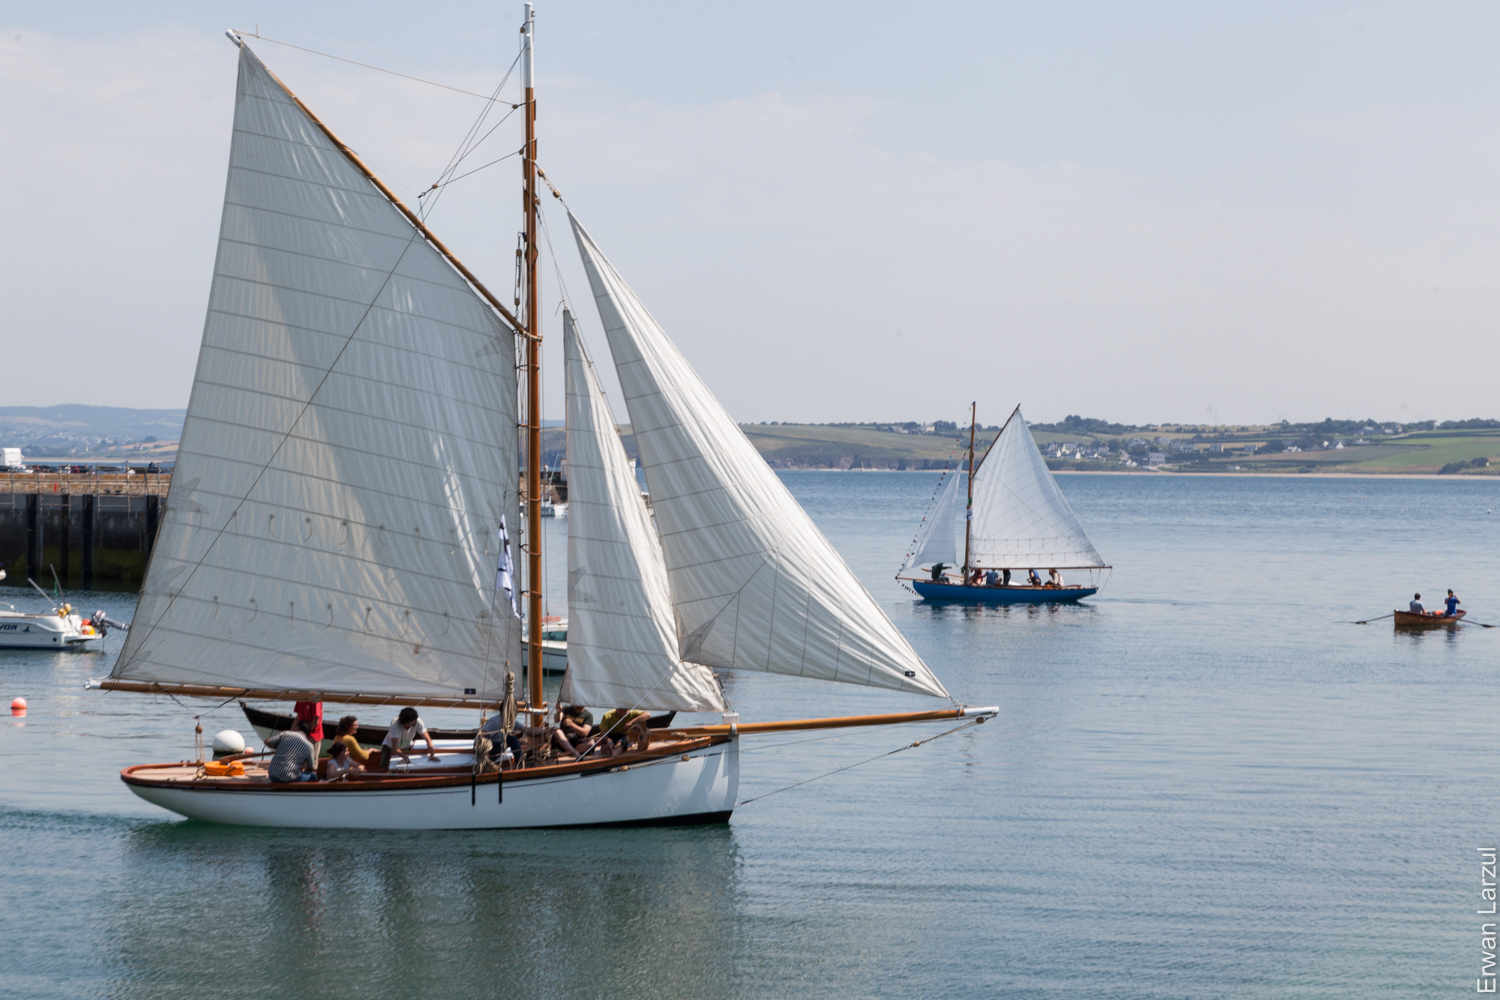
622,636
755,584
936,543
1021,520
349,450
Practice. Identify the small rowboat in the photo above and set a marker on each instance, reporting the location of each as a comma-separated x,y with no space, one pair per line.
1408,619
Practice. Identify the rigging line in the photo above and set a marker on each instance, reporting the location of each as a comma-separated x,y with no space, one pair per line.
467,145
439,185
552,252
282,443
480,141
428,207
846,767
378,69
464,148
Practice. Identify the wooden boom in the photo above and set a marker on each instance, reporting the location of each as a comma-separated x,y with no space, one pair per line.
837,722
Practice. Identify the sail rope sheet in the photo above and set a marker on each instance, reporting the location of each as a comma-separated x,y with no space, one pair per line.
847,767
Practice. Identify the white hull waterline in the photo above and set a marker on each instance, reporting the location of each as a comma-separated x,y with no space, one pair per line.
698,786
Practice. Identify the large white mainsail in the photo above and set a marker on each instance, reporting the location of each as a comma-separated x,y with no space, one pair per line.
755,584
622,635
349,449
1020,518
937,542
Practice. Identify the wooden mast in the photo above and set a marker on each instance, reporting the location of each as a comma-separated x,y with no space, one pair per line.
969,508
533,317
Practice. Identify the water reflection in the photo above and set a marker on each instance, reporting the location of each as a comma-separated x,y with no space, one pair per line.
634,913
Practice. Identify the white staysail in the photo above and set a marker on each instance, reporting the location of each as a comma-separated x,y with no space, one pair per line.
622,636
936,543
755,584
350,446
1020,518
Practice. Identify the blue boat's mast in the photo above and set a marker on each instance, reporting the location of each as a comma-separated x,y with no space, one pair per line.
969,509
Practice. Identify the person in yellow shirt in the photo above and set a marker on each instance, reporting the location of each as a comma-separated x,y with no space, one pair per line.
614,728
345,736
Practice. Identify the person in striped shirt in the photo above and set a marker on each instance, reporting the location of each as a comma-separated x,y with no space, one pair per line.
296,757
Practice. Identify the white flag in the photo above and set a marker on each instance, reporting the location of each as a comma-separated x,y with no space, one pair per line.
502,575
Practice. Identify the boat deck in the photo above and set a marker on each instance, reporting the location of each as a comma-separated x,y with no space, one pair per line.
456,767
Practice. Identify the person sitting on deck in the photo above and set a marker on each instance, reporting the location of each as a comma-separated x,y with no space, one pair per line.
937,572
1054,579
296,757
1415,607
614,729
991,578
494,731
340,764
1451,605
405,728
346,734
1032,578
975,576
576,724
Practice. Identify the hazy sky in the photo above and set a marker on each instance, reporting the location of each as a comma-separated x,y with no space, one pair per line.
840,211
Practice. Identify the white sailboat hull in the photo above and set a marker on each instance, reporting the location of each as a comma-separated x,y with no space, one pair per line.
696,787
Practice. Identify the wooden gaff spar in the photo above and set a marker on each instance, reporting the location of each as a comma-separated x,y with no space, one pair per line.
351,457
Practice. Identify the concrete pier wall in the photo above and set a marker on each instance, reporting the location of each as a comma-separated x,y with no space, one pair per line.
97,541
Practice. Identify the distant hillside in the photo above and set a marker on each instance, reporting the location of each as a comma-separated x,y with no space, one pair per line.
1079,443
76,429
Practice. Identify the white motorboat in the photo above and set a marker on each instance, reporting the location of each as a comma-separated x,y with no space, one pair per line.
297,563
59,628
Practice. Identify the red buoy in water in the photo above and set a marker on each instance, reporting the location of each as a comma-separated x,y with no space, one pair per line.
18,706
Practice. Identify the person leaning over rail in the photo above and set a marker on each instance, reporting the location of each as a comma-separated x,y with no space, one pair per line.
405,728
296,756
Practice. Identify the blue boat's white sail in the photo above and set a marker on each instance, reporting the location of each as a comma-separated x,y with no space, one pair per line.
1020,519
937,542
622,635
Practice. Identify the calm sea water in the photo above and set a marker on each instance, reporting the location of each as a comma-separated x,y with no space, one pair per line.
1204,782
